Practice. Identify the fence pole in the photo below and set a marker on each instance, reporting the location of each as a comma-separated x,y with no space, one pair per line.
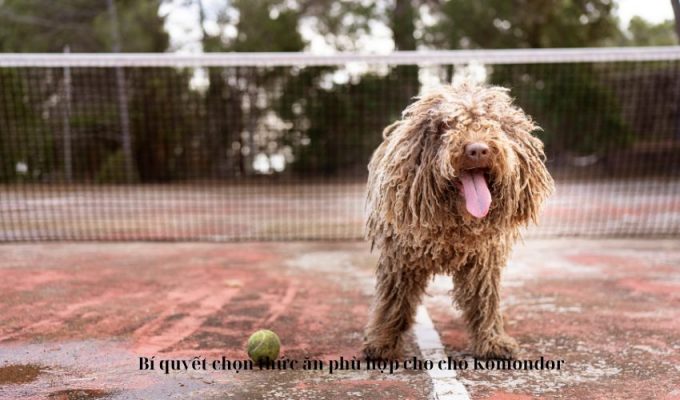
122,95
68,155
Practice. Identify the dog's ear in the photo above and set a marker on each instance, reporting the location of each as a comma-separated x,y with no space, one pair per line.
533,183
404,189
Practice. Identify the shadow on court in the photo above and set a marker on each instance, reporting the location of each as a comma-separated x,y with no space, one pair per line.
76,318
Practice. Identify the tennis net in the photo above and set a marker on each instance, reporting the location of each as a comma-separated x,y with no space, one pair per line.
274,146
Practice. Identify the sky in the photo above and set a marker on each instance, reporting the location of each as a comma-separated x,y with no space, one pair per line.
651,10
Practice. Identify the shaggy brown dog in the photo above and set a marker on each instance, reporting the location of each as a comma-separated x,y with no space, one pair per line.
448,190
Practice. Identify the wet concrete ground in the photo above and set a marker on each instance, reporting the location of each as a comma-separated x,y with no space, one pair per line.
76,318
610,309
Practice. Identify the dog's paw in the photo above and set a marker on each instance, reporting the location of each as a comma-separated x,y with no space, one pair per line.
500,347
371,352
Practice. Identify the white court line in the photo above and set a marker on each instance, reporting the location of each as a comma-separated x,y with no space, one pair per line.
445,384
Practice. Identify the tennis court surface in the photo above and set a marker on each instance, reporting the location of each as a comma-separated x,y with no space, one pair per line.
76,317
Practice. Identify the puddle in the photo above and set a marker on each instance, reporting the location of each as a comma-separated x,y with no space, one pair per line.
20,373
79,394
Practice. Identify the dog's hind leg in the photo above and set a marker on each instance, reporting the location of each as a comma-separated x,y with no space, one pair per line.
477,293
398,292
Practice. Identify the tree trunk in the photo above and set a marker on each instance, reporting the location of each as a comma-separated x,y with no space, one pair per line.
676,11
215,130
121,91
402,23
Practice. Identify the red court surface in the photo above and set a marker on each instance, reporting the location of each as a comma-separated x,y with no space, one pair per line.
75,318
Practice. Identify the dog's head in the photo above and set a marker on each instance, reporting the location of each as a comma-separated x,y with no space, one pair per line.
465,149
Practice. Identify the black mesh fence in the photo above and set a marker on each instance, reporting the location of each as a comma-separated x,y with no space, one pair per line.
279,152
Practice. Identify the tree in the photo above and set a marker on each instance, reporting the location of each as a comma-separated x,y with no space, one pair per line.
644,33
85,26
523,23
546,92
337,117
402,19
342,24
20,146
237,99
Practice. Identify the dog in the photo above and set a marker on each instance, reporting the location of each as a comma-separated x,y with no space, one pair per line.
449,189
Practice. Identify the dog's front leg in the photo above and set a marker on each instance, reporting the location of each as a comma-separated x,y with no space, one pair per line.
399,290
477,292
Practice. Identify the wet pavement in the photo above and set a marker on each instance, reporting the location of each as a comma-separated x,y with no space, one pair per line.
609,309
75,318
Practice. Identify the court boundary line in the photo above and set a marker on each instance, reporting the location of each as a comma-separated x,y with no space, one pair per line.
445,384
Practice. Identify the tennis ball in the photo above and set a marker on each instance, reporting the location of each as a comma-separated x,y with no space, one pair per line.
263,345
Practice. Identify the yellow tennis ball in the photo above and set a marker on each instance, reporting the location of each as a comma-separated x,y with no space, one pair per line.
263,346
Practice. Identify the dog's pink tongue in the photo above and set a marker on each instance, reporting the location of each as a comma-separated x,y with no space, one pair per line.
476,193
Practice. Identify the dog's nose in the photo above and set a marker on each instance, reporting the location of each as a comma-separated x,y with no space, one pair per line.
477,151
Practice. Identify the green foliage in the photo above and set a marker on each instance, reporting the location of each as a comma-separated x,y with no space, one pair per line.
521,23
84,26
18,120
47,26
141,28
262,25
572,122
113,170
550,95
265,25
644,33
342,24
161,121
331,124
336,127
